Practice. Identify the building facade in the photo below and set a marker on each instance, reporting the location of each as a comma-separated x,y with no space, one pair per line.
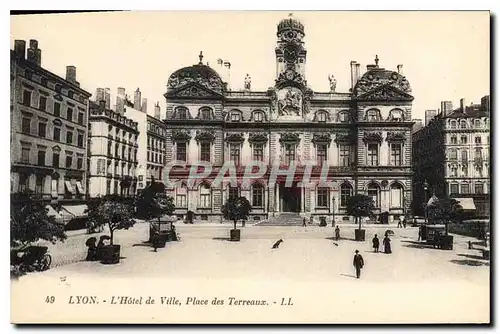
113,150
361,139
49,118
451,156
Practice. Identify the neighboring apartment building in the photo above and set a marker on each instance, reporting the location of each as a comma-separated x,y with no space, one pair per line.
49,116
452,155
113,150
363,136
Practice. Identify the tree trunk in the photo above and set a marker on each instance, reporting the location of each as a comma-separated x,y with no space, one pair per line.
235,221
111,235
359,222
446,227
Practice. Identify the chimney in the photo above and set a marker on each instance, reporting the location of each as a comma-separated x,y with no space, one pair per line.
358,72
99,95
107,97
157,110
353,75
34,54
144,106
137,99
400,69
20,48
102,104
120,101
463,102
71,74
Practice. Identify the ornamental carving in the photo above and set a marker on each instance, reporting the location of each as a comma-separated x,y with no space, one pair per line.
235,137
290,102
372,137
181,135
290,137
386,94
291,75
323,137
345,138
200,74
257,138
205,135
193,92
396,136
376,79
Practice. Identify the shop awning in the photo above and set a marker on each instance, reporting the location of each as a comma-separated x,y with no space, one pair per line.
69,187
466,203
52,212
76,210
79,187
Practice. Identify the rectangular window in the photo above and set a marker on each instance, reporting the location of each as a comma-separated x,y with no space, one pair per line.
42,129
478,153
289,154
80,118
258,196
321,154
234,192
108,187
452,154
323,200
258,152
181,201
453,140
39,184
42,103
27,98
80,140
41,158
69,161
57,109
79,163
235,153
117,150
57,134
396,149
205,152
69,114
25,155
345,155
453,189
345,193
204,200
55,160
235,117
464,188
26,125
372,154
478,188
69,137
23,182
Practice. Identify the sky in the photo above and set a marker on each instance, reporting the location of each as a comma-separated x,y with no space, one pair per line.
445,55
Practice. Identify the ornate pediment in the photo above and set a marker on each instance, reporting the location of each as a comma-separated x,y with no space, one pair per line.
323,137
372,137
205,135
289,76
345,138
290,137
235,137
181,135
257,138
385,93
396,136
375,79
193,90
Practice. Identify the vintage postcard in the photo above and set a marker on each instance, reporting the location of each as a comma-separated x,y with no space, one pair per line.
251,167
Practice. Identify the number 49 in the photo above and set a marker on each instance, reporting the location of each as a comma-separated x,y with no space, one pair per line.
50,299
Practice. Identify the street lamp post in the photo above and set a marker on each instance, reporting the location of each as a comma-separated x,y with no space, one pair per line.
333,211
426,186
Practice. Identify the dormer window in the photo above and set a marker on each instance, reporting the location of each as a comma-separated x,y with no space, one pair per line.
258,116
181,113
321,117
396,115
205,114
477,123
343,117
453,124
235,117
372,115
463,124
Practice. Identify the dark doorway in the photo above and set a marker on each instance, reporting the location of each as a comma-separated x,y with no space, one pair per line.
290,198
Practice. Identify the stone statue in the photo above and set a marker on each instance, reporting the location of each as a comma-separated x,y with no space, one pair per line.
248,82
333,83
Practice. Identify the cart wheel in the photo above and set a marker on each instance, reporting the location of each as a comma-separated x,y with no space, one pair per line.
46,261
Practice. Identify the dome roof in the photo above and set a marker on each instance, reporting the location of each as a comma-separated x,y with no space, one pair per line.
376,77
290,24
200,73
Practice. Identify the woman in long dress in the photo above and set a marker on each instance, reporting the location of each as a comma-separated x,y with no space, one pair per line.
387,245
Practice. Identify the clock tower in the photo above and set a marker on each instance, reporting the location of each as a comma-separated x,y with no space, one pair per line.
290,52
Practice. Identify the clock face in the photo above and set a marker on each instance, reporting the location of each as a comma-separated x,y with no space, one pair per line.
291,35
290,54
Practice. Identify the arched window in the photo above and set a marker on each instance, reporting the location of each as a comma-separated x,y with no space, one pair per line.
372,115
463,140
463,124
257,195
374,193
464,155
477,140
396,195
453,124
233,192
235,116
205,193
181,113
258,116
345,193
453,140
343,117
321,116
205,113
396,115
181,196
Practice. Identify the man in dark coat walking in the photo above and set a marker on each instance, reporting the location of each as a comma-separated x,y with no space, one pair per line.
337,233
358,263
376,243
304,222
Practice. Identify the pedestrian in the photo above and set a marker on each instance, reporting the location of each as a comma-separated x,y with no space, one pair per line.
376,243
420,233
404,222
399,223
337,233
358,263
304,222
156,240
387,245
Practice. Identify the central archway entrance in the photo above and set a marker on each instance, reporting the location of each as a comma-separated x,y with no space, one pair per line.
290,198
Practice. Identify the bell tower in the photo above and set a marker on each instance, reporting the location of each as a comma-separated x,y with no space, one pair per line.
290,52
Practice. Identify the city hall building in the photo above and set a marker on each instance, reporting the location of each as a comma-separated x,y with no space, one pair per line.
363,136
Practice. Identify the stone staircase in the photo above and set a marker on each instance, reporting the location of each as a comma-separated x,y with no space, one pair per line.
284,219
